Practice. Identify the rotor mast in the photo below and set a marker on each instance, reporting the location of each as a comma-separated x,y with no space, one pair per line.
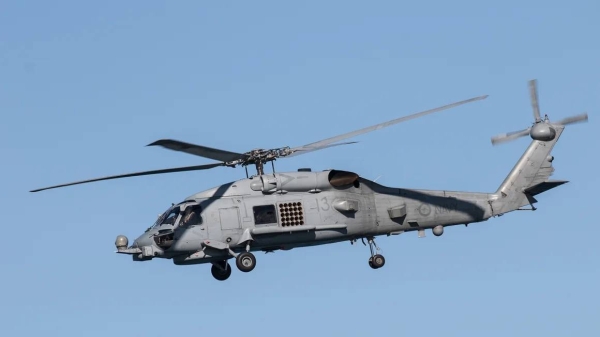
259,168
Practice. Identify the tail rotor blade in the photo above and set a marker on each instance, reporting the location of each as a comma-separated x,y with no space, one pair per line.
534,100
573,119
506,137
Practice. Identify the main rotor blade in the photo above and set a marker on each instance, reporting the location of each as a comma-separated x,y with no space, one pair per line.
325,143
573,119
505,137
534,100
170,170
299,151
198,150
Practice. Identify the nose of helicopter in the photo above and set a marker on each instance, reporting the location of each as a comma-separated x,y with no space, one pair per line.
143,240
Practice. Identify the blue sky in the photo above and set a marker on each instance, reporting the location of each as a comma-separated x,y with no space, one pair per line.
85,86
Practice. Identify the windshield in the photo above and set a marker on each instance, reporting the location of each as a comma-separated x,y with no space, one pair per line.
171,217
168,217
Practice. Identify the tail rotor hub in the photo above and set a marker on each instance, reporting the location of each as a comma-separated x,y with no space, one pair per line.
543,132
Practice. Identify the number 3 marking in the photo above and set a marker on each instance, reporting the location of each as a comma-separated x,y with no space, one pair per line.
324,200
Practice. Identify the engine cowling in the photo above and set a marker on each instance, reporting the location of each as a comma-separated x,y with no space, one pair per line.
304,181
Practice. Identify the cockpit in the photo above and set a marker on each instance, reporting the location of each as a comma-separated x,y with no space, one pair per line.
191,216
185,214
176,218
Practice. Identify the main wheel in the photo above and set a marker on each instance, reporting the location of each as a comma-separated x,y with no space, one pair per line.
219,273
245,262
378,261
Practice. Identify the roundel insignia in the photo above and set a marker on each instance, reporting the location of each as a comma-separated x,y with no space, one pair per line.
424,209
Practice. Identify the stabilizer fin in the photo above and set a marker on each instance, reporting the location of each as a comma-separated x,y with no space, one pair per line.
543,187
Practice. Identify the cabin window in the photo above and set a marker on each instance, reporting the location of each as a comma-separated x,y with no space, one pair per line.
264,214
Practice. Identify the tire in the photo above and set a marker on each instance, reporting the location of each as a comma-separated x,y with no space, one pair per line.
371,263
220,274
378,261
245,262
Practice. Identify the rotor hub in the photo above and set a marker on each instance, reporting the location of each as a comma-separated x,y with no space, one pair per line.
542,131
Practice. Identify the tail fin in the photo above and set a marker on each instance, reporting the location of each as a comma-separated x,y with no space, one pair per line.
528,177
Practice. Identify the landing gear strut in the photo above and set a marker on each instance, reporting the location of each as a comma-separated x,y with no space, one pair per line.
221,270
376,261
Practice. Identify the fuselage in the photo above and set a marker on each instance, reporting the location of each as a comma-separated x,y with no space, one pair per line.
297,209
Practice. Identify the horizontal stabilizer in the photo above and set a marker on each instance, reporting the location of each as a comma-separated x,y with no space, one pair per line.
543,187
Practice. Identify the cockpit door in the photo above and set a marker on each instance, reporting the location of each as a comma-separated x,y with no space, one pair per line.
230,218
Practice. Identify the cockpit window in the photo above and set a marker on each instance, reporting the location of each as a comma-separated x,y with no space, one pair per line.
161,217
192,216
171,217
168,217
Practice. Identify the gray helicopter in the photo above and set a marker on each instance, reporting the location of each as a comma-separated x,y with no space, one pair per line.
281,211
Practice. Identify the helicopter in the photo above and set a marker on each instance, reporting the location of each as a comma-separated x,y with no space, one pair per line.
280,211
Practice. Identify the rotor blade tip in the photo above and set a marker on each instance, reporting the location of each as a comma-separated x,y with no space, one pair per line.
156,142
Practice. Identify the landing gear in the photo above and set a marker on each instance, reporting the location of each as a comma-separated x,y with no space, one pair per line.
376,261
245,261
221,270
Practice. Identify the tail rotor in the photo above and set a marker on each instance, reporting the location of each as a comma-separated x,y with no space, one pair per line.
540,129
